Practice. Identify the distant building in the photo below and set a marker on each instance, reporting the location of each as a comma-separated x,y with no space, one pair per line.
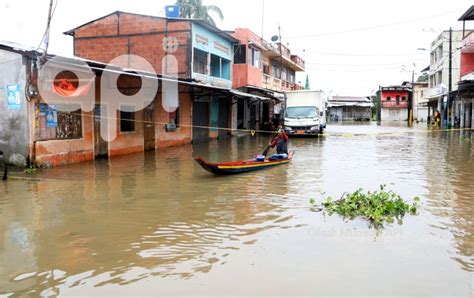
394,103
419,102
464,108
437,94
343,108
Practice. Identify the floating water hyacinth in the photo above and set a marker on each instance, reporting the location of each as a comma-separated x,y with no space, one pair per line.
378,207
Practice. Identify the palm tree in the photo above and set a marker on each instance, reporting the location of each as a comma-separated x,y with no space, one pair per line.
194,9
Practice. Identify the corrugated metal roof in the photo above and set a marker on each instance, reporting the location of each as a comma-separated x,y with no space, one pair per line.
349,99
350,104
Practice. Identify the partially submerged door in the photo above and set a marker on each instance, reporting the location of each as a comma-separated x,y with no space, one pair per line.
253,116
200,121
101,147
149,127
223,118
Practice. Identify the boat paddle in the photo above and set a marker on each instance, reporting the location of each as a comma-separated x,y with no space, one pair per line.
265,152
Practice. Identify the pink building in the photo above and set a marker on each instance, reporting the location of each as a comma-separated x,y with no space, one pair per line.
394,103
464,109
265,69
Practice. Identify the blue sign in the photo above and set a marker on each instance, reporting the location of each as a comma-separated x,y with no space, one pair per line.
13,97
51,118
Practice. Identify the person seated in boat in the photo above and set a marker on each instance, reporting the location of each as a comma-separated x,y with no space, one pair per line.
280,141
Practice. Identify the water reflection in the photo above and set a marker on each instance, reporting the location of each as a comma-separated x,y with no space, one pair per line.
159,215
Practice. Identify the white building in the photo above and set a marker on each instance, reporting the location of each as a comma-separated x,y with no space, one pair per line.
437,94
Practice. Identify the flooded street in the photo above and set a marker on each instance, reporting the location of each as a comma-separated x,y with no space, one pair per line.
158,223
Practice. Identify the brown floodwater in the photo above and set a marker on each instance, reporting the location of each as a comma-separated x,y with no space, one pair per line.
158,224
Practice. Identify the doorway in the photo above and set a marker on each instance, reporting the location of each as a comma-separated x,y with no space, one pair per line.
101,147
223,118
200,121
149,127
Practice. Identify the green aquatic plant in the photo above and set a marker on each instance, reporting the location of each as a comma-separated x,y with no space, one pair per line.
378,207
31,169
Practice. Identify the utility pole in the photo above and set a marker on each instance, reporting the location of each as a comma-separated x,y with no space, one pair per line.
46,34
410,102
450,77
263,17
281,53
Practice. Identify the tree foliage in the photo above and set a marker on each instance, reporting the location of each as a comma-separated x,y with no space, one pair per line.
195,9
423,78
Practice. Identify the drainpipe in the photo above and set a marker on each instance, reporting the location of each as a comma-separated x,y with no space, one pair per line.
5,169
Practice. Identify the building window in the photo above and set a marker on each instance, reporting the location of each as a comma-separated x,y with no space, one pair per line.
404,98
266,69
175,117
220,67
127,121
215,66
291,76
255,58
240,56
397,98
284,74
200,62
388,98
57,125
225,68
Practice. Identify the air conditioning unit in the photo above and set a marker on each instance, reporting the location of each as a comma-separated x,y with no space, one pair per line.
170,127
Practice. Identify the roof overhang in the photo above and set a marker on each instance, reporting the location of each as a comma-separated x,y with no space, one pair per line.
350,104
248,95
279,96
468,15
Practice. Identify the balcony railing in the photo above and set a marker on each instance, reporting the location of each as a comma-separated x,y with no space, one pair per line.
436,91
298,61
284,51
468,43
276,84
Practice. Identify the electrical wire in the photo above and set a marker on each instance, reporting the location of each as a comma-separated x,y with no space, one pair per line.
371,27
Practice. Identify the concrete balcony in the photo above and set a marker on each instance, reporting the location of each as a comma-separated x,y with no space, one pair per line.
468,43
437,91
285,52
298,61
276,84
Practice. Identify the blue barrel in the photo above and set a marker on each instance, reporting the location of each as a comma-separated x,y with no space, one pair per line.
172,11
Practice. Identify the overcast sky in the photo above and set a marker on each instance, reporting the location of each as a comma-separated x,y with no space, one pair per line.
350,47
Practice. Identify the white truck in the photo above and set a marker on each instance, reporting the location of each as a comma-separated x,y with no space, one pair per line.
305,112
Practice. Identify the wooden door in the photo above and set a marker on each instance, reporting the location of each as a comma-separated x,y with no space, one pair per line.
101,147
149,127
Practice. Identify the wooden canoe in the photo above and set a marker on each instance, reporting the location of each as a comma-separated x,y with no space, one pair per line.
237,167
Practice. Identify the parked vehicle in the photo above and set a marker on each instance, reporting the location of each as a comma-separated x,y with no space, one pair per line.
305,112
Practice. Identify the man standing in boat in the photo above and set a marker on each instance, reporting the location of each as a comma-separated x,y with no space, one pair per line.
280,142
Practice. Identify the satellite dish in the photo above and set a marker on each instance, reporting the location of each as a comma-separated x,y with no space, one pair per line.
275,38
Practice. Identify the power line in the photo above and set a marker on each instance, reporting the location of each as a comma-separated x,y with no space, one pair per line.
371,27
377,64
365,55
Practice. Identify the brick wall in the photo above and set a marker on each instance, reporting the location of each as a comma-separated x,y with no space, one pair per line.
184,133
60,152
121,34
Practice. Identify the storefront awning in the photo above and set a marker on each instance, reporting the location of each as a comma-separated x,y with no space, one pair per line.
269,93
248,95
